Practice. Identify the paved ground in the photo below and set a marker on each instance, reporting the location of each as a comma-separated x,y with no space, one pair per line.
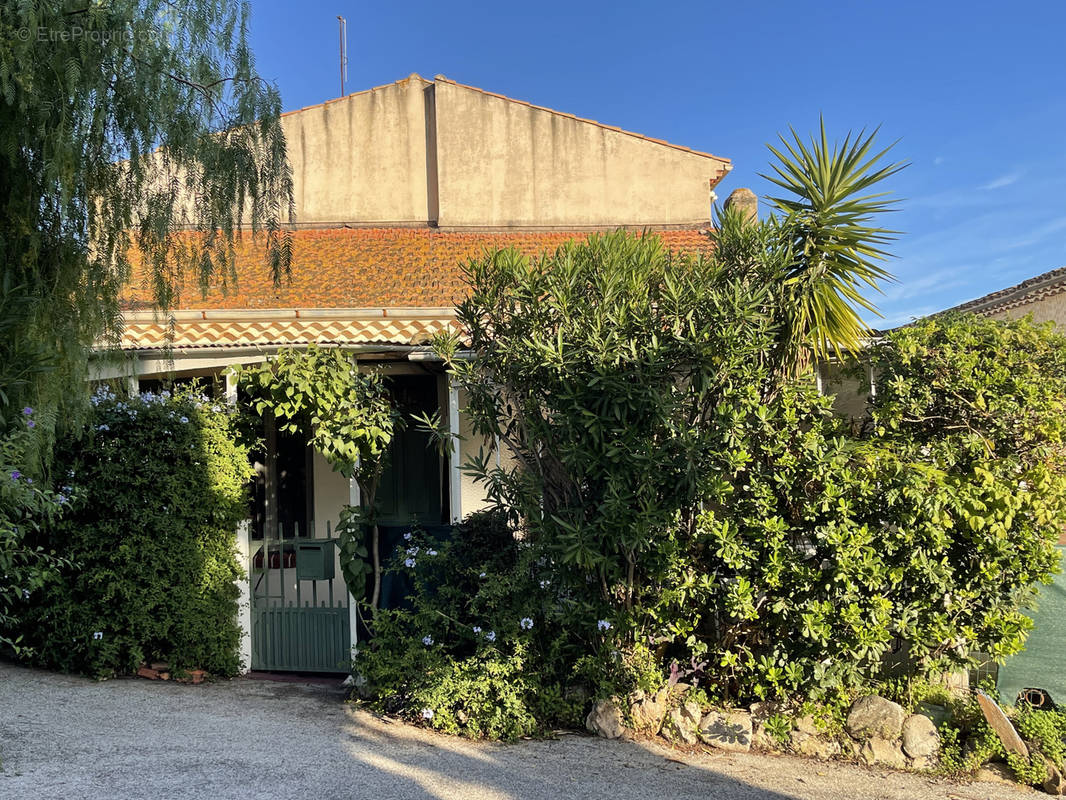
70,738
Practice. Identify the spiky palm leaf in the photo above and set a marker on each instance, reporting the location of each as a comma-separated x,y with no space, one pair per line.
831,247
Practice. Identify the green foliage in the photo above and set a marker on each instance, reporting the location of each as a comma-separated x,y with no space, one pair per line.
480,651
825,241
347,415
681,486
121,125
158,487
321,394
1046,730
779,727
26,504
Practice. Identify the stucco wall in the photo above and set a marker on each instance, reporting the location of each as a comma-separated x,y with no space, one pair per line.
418,151
472,494
362,157
504,163
331,492
1049,308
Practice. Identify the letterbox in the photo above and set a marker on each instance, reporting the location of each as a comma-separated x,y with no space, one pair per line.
315,559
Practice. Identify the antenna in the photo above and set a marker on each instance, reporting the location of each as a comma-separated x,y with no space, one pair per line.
342,24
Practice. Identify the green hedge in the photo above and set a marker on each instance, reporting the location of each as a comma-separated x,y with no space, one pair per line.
158,488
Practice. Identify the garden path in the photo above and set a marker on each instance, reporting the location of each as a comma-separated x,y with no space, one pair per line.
66,737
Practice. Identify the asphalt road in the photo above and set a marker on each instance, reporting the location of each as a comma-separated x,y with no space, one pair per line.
69,738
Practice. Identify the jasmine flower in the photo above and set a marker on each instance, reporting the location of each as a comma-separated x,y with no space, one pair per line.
525,623
427,640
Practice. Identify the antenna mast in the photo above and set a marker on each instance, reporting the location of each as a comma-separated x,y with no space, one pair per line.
342,24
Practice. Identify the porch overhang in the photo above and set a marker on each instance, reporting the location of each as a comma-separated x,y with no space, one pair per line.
185,330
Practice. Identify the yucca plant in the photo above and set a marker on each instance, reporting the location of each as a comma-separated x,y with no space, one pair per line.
822,251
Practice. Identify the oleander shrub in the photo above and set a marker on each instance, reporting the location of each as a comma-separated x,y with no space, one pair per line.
158,485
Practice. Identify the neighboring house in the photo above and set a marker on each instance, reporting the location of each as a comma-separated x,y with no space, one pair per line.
395,187
1043,296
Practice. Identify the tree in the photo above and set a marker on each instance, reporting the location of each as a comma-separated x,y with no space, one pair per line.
131,125
348,417
134,124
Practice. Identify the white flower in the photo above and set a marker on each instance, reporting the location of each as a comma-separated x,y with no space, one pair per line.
1023,485
98,635
407,536
409,562
412,551
431,552
25,594
427,640
603,625
525,623
477,629
427,713
183,420
491,636
482,575
545,584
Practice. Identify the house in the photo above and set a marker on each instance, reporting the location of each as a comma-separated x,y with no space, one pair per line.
394,188
1043,296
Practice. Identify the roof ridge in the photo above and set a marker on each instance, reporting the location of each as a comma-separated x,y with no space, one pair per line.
412,76
728,162
1017,293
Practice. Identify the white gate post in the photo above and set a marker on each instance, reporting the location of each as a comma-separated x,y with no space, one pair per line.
353,607
455,476
244,601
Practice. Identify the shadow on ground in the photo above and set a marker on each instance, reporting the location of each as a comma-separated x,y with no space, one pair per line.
66,737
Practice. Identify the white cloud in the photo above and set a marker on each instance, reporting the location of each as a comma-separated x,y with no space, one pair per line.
1003,180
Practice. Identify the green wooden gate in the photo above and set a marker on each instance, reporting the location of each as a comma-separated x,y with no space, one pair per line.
299,605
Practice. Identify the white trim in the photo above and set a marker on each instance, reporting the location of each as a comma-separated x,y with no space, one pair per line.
455,486
270,314
353,607
244,600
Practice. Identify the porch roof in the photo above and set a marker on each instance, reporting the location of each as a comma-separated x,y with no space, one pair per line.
149,330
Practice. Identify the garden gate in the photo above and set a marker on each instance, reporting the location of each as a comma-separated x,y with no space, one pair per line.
299,605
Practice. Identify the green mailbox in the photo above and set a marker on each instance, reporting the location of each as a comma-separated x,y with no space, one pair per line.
314,559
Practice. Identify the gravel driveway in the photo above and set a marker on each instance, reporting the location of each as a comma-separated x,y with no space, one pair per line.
69,738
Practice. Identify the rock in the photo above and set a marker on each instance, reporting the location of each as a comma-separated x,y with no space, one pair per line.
1055,784
679,727
924,763
883,751
806,724
998,721
647,713
727,730
760,712
996,773
873,715
813,746
691,713
920,738
605,719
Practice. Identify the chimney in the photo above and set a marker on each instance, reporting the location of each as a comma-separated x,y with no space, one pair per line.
744,200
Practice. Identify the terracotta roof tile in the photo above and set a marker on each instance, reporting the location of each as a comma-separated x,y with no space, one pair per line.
370,268
1028,291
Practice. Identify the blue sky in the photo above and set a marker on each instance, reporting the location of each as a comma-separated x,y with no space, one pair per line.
975,92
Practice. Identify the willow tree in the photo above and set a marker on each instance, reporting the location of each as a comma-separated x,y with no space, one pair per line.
127,126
